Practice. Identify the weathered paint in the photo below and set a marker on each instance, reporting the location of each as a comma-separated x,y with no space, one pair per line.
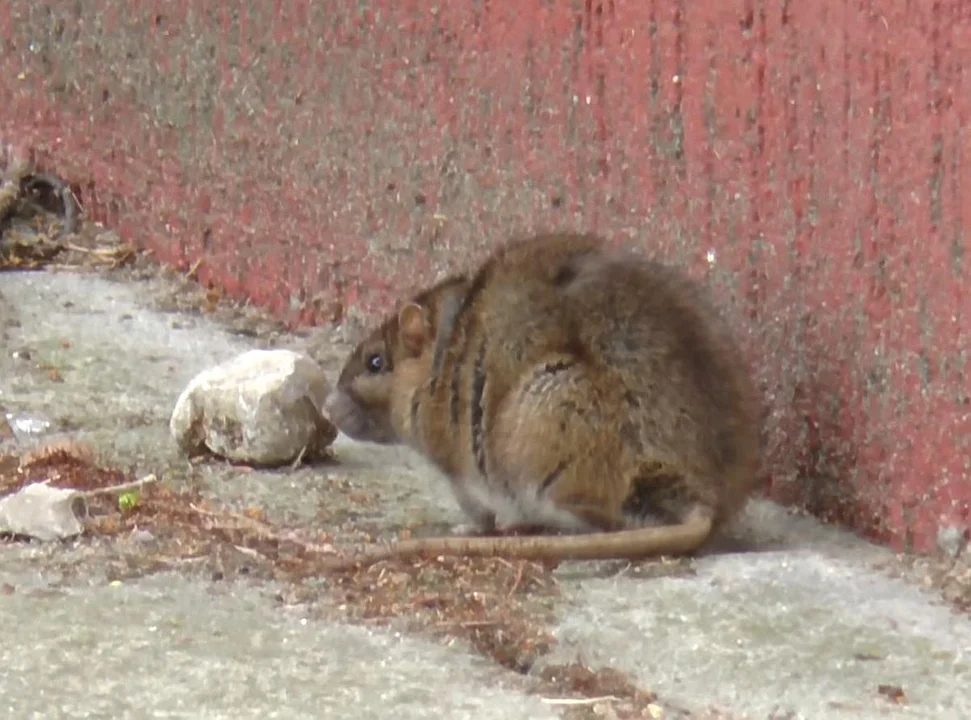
810,159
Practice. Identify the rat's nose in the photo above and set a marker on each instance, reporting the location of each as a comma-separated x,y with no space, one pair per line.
331,402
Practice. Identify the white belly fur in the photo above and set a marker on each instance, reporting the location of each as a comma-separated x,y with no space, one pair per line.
524,508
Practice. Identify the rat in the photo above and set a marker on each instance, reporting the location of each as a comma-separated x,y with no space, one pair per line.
584,402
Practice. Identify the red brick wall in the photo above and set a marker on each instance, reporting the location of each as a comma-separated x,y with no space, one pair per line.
810,159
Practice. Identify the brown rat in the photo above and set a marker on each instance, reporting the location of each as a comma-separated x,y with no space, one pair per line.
568,387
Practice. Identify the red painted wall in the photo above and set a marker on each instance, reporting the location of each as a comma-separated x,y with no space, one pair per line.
810,159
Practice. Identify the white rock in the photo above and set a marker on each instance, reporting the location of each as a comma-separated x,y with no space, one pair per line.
261,408
40,511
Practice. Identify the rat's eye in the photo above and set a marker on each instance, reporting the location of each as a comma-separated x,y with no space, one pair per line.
375,363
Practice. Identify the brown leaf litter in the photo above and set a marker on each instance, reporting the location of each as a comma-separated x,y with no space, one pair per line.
40,218
502,609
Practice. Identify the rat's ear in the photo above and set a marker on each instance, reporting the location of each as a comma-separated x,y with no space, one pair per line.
411,326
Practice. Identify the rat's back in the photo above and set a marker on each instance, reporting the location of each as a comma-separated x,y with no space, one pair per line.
666,366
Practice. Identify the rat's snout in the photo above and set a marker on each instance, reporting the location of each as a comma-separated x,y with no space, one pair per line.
345,412
340,409
355,420
331,402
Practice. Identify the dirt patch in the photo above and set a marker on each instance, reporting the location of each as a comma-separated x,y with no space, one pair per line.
950,576
501,609
42,226
186,295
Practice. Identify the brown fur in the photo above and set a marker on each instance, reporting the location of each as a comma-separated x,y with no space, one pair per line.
567,387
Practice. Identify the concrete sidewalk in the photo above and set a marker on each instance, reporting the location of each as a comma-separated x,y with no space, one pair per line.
804,626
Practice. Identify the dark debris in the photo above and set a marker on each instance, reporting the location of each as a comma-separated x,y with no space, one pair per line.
947,575
41,223
493,604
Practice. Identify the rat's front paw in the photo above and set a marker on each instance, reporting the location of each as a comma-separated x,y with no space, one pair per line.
472,530
520,530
